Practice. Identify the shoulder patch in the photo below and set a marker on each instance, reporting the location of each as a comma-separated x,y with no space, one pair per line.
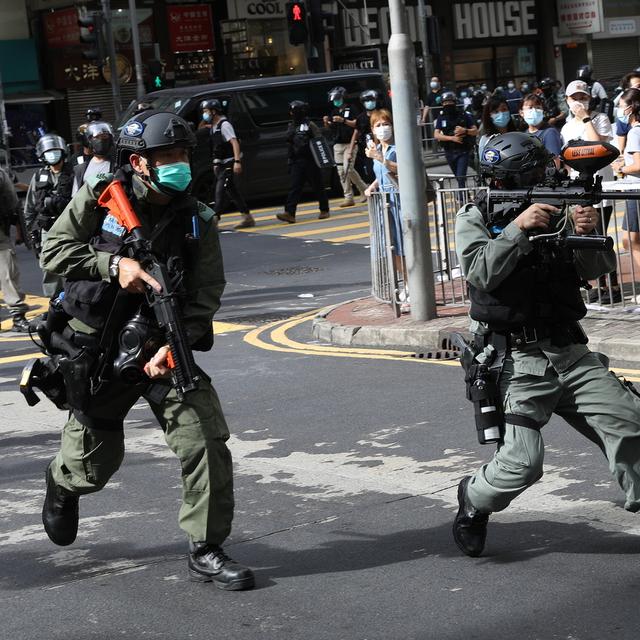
205,212
98,179
110,225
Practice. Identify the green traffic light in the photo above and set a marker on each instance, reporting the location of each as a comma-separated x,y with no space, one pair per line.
157,82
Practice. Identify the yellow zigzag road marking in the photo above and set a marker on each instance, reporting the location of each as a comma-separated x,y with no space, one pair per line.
22,358
285,344
238,216
228,327
323,230
357,236
285,225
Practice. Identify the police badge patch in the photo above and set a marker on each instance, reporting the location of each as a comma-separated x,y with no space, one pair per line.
491,156
110,225
133,129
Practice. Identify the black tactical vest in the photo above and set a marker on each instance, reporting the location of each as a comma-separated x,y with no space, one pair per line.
50,199
221,149
90,301
543,290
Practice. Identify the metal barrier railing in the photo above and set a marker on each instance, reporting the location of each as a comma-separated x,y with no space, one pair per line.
389,272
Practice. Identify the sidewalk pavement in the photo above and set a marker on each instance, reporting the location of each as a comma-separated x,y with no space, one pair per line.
365,322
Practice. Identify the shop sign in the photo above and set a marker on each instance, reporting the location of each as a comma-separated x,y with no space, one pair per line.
626,27
362,59
190,27
372,25
61,28
580,16
256,10
494,19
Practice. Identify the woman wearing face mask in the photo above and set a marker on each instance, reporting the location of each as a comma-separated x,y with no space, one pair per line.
496,118
369,100
595,127
455,131
532,113
382,151
630,81
628,166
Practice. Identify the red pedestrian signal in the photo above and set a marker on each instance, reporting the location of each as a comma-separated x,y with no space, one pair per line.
297,20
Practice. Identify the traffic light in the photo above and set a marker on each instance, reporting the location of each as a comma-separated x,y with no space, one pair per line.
156,75
91,33
297,20
321,21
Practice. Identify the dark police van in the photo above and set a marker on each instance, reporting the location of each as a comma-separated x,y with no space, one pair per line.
259,112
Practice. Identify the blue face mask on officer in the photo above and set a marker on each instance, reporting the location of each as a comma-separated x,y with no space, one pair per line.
338,102
52,157
176,176
206,116
370,105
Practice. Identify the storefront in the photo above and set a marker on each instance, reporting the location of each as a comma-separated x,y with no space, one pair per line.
491,42
256,41
608,38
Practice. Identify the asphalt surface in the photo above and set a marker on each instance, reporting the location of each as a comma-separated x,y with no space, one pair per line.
347,464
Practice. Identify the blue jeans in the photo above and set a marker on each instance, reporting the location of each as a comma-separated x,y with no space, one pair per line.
458,161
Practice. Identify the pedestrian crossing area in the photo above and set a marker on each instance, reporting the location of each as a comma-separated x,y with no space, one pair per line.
351,225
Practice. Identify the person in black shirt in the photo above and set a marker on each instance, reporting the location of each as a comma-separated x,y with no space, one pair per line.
341,124
370,100
456,132
302,166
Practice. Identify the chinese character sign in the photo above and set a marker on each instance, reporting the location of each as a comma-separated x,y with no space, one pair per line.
190,27
61,28
580,16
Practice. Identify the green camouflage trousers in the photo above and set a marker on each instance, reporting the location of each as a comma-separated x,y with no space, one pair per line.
579,388
195,430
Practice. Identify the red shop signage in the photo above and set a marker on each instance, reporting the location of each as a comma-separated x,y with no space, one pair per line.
61,28
190,27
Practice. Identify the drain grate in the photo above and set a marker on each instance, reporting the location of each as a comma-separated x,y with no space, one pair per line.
444,354
293,271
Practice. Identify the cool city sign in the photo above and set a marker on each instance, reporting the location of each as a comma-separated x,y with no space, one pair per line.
241,9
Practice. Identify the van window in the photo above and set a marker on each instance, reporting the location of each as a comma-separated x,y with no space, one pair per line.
270,106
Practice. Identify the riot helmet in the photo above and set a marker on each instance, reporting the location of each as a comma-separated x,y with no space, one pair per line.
298,110
94,114
212,104
477,99
369,99
547,85
336,96
584,73
152,131
51,148
514,158
99,137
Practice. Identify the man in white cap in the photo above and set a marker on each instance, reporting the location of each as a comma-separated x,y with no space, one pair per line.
596,127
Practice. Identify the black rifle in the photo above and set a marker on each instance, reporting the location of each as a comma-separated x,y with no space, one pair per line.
560,191
164,304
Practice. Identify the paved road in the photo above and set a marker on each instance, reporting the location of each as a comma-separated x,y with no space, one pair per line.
346,467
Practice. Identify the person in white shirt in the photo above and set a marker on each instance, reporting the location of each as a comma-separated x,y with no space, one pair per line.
595,127
628,167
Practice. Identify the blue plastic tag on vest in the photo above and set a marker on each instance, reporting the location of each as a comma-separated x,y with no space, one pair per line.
110,225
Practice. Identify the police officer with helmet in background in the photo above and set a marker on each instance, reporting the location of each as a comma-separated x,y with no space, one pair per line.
93,114
48,194
100,139
86,246
341,123
227,161
525,310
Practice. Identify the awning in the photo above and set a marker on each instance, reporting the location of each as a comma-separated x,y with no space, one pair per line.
33,97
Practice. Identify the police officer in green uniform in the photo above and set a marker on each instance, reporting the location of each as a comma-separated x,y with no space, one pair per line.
528,300
86,247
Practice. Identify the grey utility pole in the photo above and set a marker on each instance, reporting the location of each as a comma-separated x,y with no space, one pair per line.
4,126
115,80
411,170
136,49
426,56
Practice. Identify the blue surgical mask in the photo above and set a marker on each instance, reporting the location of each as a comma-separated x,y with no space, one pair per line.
533,116
501,118
338,102
206,116
463,94
53,157
621,115
370,105
176,176
434,85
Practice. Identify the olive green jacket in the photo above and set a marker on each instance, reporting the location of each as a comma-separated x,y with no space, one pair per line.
67,252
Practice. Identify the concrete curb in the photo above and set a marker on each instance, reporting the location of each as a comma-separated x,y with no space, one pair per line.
613,336
431,336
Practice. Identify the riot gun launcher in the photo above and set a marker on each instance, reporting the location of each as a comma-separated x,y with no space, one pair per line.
164,304
560,191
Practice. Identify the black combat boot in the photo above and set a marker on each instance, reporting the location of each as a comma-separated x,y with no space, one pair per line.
470,526
209,563
20,324
59,513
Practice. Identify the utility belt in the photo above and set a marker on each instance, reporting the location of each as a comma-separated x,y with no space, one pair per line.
560,335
